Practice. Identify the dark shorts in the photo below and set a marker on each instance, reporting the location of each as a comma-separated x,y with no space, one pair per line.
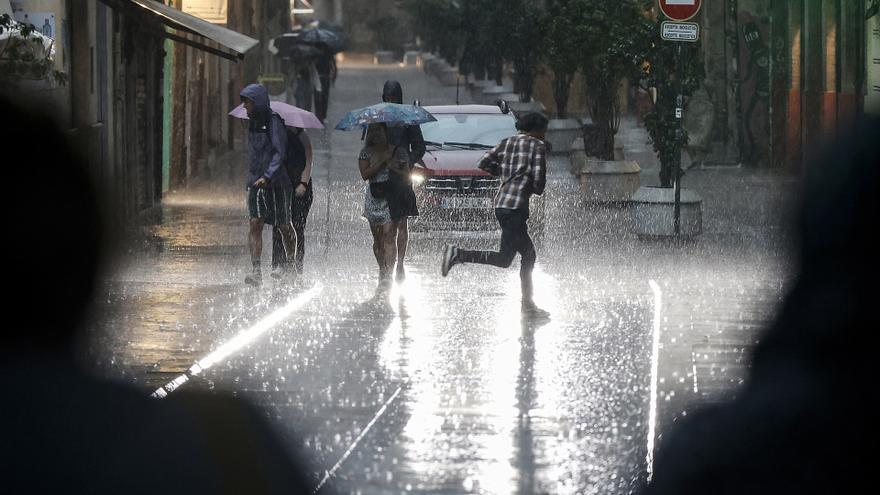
402,201
272,205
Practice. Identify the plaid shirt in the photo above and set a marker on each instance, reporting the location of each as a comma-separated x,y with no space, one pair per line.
520,162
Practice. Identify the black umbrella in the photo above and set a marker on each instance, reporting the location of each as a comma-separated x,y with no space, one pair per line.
334,41
291,45
300,51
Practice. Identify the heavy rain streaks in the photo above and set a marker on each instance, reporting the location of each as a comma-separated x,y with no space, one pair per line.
442,386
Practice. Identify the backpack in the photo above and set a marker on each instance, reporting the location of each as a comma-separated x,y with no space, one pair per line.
295,157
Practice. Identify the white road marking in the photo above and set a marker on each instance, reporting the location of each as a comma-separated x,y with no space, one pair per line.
243,339
655,358
329,474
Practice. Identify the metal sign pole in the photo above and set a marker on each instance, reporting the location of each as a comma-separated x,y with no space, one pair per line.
679,138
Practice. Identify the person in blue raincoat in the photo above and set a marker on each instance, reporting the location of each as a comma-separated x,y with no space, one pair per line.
269,190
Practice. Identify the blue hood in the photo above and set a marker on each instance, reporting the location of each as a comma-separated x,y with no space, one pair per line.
258,94
267,141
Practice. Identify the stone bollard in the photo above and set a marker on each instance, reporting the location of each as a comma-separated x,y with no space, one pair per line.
476,88
431,65
653,212
437,67
576,157
384,57
561,133
606,181
493,93
411,58
425,59
449,76
520,108
509,97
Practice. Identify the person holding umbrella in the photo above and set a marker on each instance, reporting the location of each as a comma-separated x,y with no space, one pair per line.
325,64
379,162
298,164
402,199
268,186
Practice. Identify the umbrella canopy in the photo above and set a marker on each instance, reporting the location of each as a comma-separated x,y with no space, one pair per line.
292,116
335,41
290,45
392,114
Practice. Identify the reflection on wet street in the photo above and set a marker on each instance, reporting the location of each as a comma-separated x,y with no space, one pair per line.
442,386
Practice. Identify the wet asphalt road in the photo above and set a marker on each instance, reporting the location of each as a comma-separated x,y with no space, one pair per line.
442,387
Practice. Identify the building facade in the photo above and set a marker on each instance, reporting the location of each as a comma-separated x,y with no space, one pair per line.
785,76
118,104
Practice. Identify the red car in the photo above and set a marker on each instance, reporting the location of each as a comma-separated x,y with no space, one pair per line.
453,193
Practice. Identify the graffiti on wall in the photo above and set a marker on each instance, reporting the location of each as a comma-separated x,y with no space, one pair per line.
872,28
754,89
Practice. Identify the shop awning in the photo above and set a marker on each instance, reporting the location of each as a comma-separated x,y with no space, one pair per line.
232,45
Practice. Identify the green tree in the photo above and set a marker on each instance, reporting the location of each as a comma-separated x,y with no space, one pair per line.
487,25
525,42
439,25
23,55
611,37
563,49
660,71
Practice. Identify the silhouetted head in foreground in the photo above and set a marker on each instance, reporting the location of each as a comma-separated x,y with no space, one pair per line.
801,424
65,430
392,92
57,234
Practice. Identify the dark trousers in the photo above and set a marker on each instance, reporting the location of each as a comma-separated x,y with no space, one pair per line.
299,212
322,99
514,239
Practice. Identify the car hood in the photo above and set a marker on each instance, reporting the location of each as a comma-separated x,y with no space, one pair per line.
454,162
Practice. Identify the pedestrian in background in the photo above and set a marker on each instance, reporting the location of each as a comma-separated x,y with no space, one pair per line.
402,200
269,191
325,65
378,162
307,82
299,169
520,162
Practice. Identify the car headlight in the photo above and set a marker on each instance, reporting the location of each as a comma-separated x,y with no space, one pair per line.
417,178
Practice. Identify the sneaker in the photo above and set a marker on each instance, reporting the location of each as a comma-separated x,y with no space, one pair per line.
530,310
254,279
450,253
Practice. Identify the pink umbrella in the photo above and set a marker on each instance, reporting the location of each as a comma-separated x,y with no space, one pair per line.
293,116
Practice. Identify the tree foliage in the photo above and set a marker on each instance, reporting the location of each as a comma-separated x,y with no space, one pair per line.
563,48
525,46
612,37
486,24
439,24
23,55
660,71
481,35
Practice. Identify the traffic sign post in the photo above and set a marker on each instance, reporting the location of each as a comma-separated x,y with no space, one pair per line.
679,138
679,31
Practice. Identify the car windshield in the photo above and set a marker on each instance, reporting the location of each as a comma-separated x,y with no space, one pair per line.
469,129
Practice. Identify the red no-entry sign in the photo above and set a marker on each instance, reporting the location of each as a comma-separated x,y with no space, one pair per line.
680,10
